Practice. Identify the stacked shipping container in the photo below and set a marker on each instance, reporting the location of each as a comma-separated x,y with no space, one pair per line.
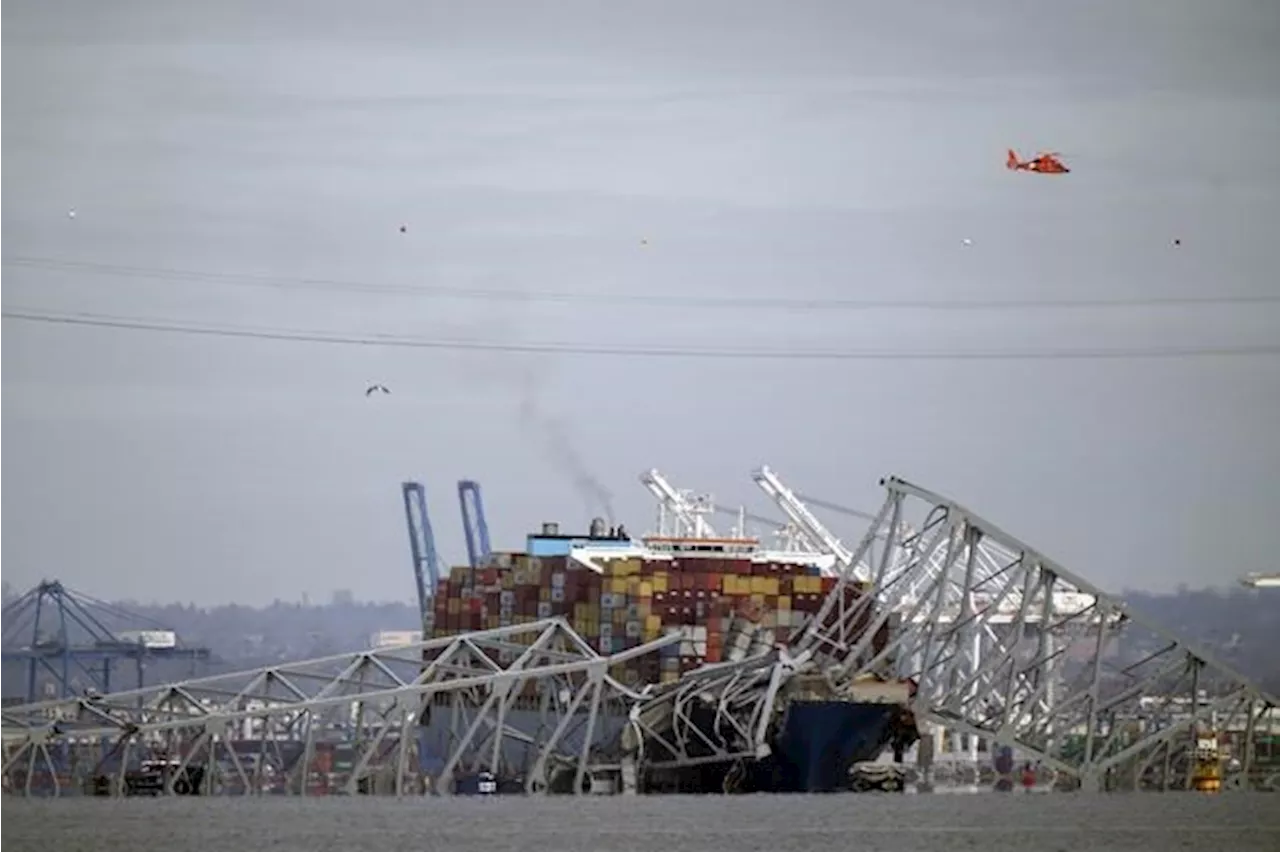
724,608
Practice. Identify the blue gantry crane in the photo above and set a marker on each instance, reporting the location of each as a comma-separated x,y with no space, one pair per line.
74,641
422,541
422,545
474,525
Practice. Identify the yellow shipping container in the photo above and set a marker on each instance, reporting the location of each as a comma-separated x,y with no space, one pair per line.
660,581
618,585
730,584
454,605
633,585
646,589
758,600
653,624
784,602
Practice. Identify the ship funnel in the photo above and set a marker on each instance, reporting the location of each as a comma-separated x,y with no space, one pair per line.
550,528
598,528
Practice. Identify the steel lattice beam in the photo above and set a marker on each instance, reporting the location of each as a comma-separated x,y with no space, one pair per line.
1007,645
543,672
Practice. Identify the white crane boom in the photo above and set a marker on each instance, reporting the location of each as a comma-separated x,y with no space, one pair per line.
808,525
688,514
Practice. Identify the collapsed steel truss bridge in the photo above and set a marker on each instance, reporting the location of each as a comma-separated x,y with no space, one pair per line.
1003,645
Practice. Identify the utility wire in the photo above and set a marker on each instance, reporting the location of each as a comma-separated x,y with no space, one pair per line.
634,351
285,282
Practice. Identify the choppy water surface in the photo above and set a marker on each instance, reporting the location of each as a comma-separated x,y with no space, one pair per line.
1238,822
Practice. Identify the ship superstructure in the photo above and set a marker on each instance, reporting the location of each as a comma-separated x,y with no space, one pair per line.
726,595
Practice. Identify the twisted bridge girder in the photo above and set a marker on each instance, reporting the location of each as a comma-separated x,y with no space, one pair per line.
543,673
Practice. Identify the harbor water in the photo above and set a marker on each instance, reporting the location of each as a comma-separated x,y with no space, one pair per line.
1240,822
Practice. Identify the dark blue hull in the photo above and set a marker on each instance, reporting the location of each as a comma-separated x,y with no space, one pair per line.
819,741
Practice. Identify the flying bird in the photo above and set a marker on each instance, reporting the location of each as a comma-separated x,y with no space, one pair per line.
372,389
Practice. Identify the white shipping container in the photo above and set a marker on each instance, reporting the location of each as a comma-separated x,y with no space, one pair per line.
390,638
149,638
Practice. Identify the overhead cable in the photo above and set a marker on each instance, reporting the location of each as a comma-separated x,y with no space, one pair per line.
656,350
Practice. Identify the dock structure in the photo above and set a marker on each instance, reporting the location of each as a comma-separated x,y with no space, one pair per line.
976,634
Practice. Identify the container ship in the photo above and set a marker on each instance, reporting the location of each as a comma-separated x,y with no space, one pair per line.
729,598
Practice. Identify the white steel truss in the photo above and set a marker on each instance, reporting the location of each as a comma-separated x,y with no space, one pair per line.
1093,691
525,701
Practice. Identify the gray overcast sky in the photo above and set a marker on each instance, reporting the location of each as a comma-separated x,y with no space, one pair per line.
832,150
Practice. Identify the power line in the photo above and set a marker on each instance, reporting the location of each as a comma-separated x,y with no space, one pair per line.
286,282
637,351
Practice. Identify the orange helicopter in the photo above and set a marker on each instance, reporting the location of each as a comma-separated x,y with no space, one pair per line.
1045,164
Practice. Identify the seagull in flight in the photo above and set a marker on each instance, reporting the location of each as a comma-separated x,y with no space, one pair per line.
372,389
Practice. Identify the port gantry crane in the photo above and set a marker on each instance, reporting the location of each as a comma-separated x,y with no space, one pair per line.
422,547
427,564
70,643
475,527
1130,694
